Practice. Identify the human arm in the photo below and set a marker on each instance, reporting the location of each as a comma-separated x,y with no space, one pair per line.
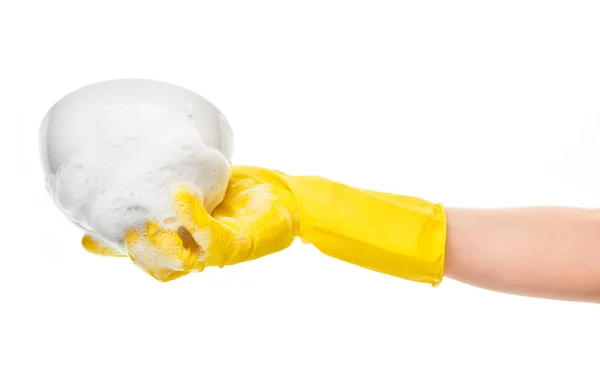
547,252
540,251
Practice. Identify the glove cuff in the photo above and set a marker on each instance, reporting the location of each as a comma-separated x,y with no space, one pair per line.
393,234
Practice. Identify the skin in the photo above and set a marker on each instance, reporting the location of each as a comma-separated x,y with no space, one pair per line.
546,252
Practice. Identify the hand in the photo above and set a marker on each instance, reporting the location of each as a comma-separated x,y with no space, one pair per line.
257,217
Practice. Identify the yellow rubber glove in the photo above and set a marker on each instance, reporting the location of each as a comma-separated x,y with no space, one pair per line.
264,210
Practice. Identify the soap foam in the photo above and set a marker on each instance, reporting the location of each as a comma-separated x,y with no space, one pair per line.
127,176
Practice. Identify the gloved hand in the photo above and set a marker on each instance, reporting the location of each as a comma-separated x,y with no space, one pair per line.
264,210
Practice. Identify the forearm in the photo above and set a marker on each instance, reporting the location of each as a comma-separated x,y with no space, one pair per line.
549,252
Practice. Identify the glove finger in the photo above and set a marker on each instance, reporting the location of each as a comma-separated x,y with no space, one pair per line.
99,247
219,239
166,253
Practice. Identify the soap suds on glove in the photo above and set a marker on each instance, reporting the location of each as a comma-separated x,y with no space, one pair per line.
128,174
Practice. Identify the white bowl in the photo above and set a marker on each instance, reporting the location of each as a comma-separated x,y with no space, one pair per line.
69,124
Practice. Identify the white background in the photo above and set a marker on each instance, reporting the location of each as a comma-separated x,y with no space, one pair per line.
458,102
